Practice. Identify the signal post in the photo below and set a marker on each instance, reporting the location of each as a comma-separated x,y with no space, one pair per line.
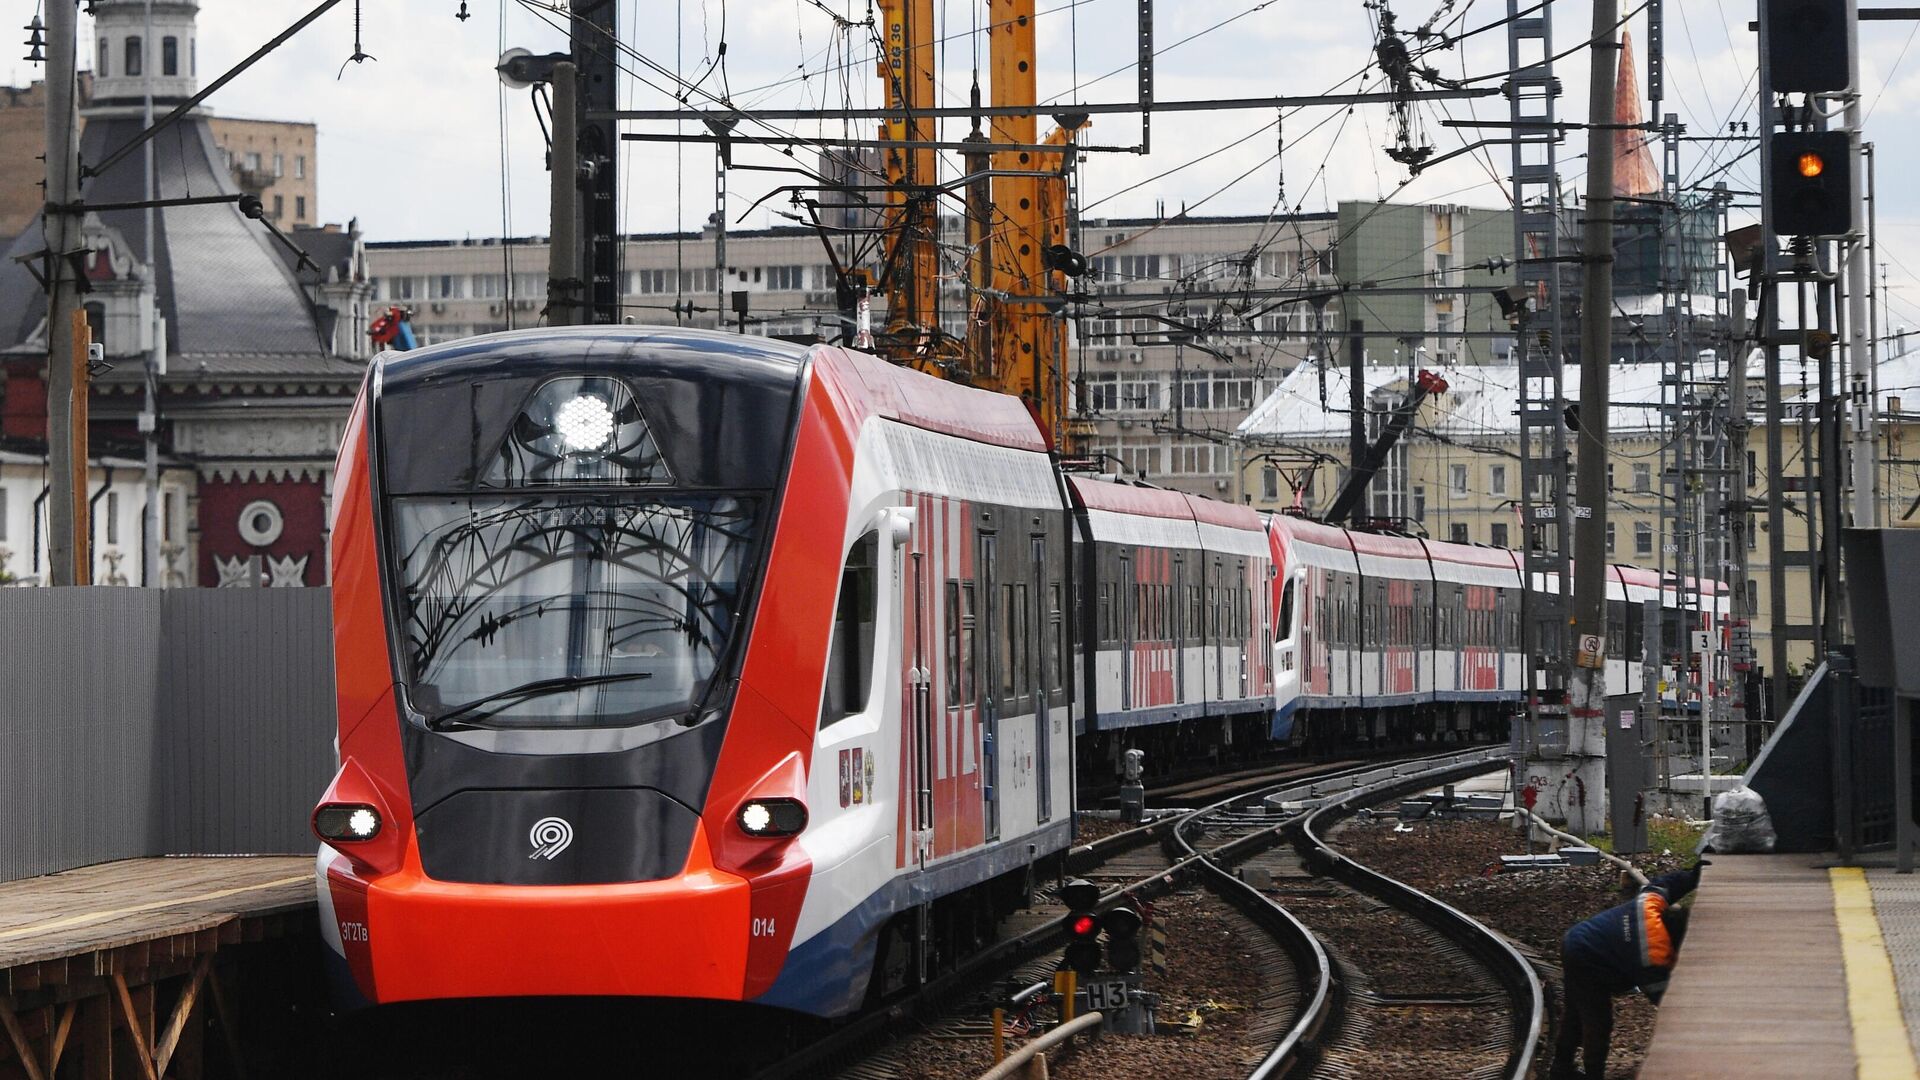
1812,183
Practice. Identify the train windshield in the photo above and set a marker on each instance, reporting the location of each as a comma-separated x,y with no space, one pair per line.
569,610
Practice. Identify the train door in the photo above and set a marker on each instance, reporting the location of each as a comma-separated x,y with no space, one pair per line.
1177,628
920,753
987,661
1124,605
1221,593
1040,647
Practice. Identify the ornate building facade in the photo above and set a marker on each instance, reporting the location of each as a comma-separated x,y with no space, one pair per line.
260,352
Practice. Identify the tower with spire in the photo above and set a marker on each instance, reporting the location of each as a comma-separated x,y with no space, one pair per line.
125,58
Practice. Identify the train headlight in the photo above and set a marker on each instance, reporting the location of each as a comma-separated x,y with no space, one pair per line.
346,822
772,817
584,423
579,429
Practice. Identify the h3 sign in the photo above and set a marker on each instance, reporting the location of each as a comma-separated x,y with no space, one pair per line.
1107,994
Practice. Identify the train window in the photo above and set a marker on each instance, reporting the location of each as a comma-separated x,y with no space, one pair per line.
957,635
1056,629
969,641
953,643
850,655
1284,628
1106,611
640,598
1022,640
1009,679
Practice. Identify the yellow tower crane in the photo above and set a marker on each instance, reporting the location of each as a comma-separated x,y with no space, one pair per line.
1015,340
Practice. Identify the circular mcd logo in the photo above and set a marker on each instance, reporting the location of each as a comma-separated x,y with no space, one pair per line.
549,837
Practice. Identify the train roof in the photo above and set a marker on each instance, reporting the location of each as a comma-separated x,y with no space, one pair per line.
920,400
1097,494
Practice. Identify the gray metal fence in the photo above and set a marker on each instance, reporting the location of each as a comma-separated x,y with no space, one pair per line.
140,722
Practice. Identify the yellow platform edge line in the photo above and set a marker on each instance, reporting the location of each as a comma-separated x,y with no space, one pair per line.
87,917
1881,1047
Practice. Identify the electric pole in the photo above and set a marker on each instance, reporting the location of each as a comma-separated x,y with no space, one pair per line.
595,39
150,417
565,306
1587,700
66,546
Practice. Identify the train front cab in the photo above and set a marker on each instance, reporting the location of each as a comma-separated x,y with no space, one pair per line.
583,635
549,555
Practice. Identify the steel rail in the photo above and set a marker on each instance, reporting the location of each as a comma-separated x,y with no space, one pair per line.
805,1060
1501,958
1309,954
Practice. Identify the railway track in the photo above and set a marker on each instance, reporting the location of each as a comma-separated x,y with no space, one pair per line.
1316,1007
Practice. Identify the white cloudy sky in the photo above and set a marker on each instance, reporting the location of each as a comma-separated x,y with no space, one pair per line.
412,143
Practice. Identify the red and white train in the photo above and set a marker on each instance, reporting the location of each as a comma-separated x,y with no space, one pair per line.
682,664
1385,638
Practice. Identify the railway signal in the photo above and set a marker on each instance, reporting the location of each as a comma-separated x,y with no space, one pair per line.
1810,190
1807,44
1123,940
1082,954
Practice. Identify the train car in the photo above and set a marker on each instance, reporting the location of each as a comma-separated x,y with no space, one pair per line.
1175,621
1478,665
684,664
1389,639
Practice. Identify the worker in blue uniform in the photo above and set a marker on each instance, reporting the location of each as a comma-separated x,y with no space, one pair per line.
1631,946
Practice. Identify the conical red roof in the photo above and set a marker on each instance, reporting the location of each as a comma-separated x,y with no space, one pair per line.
1634,173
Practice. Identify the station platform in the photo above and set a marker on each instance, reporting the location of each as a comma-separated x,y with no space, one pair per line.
130,946
1793,967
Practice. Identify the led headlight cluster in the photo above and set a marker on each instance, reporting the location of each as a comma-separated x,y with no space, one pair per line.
584,423
772,817
346,822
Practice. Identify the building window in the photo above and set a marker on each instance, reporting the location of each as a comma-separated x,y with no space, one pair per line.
279,207
1642,477
1642,539
132,66
1610,537
1499,479
106,50
113,517
1457,532
279,165
299,166
3,515
1419,502
170,517
170,56
253,161
1458,475
1270,483
299,208
1499,534
193,56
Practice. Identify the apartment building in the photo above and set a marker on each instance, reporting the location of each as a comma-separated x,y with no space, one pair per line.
277,160
1190,322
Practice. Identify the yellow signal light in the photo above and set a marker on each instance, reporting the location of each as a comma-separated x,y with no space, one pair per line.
1811,164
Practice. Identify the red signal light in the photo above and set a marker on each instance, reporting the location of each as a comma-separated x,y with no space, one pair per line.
1085,925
